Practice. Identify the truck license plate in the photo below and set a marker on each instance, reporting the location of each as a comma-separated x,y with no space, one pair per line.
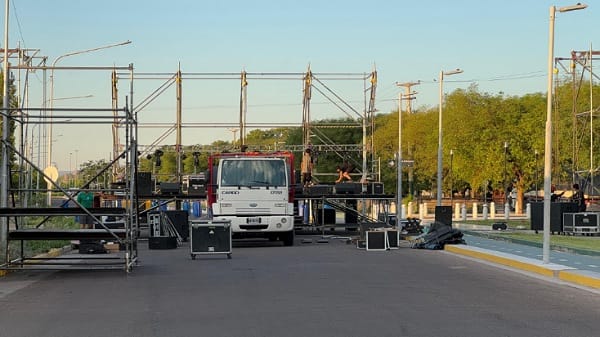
253,221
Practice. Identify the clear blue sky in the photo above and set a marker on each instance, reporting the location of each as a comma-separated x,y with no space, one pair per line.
501,46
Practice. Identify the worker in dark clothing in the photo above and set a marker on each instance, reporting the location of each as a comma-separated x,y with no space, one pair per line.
344,172
579,198
554,196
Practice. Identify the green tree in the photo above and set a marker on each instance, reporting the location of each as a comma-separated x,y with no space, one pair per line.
94,172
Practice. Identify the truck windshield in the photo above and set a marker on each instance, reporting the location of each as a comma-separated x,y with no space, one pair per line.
253,172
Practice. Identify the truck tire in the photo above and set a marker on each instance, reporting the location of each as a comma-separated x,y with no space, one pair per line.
288,238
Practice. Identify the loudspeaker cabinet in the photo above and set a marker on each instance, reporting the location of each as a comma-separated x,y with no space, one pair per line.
393,238
376,240
210,237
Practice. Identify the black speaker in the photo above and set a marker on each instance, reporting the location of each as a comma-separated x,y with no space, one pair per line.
194,185
329,216
144,183
375,188
348,188
443,214
169,188
320,189
351,214
180,221
376,240
393,238
557,209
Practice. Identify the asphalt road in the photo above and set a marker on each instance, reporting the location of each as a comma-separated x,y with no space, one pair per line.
312,289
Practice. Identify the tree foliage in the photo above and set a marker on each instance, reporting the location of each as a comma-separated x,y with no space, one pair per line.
494,139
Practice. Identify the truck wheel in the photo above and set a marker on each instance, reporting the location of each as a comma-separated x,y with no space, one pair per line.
288,238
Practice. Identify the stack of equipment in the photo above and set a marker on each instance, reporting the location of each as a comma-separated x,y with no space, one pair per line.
194,185
163,234
439,234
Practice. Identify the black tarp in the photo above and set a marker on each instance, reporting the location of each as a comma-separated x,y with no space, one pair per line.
439,234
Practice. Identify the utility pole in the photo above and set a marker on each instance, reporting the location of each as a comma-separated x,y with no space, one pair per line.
178,146
243,109
306,90
408,95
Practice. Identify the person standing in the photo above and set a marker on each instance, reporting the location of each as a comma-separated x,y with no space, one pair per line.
579,198
86,199
306,167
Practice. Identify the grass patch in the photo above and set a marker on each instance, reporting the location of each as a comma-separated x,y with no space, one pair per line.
568,241
511,223
35,247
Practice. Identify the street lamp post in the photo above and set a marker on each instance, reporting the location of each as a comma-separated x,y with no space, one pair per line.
505,184
399,166
439,154
548,131
537,171
49,154
76,168
451,177
70,169
234,131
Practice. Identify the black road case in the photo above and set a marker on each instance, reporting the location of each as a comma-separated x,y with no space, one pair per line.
581,223
210,237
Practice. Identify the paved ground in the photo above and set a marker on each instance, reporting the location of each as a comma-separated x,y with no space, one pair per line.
310,289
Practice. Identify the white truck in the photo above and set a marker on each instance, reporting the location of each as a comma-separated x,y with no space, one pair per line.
255,191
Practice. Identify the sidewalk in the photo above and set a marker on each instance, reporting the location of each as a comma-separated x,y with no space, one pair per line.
567,266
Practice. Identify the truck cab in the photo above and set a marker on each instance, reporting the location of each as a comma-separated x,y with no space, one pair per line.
255,192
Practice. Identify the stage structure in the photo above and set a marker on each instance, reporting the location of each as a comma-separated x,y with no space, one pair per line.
25,220
580,68
318,82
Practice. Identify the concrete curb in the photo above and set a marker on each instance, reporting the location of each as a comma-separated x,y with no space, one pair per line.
563,273
581,277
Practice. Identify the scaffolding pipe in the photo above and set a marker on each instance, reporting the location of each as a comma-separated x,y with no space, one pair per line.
5,136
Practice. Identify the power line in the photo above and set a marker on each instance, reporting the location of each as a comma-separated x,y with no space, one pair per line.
18,24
